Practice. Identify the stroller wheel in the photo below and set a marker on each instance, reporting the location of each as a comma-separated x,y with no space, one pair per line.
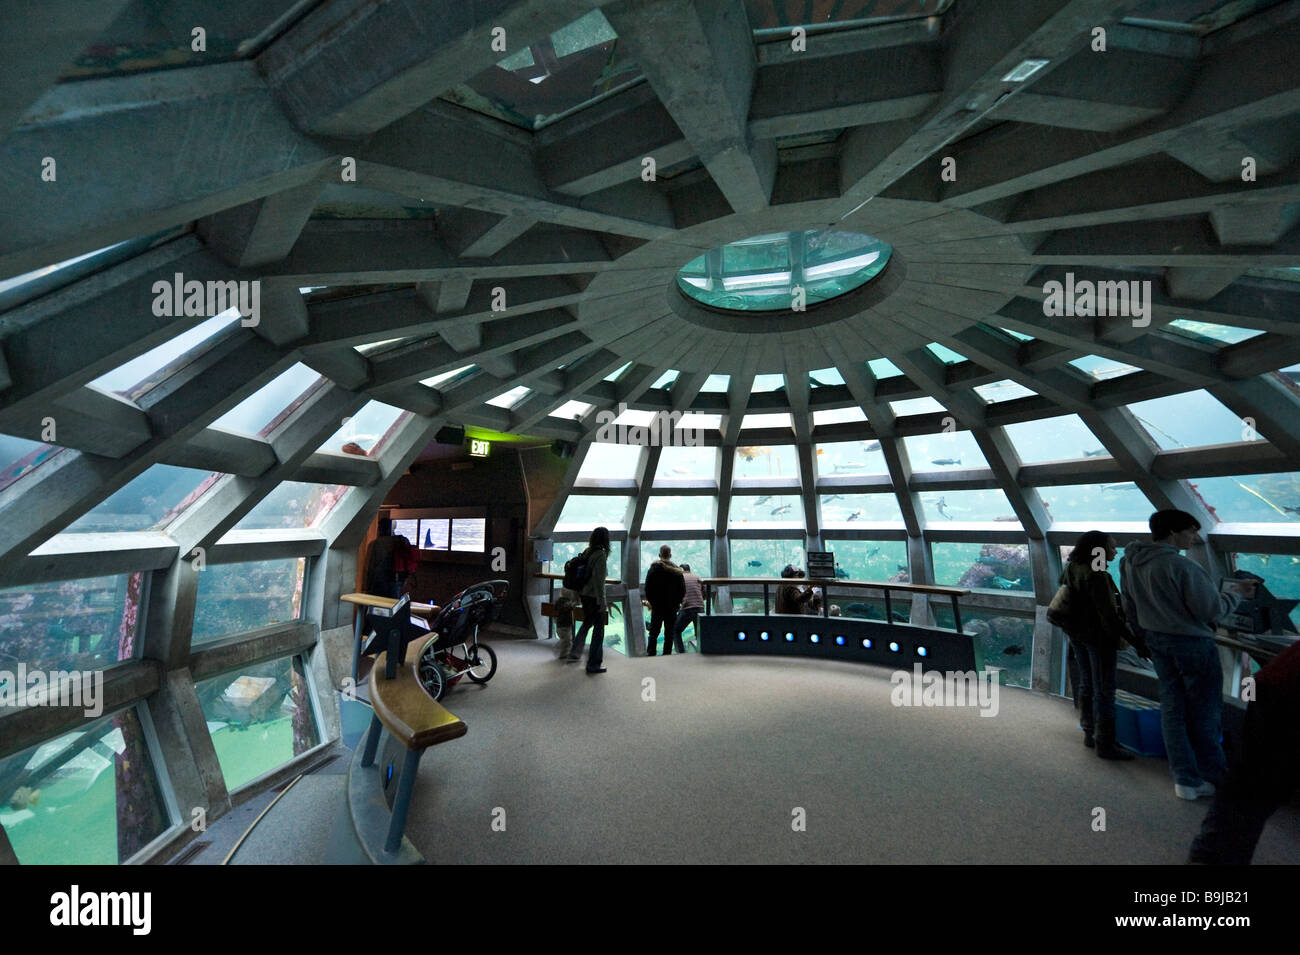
482,663
433,677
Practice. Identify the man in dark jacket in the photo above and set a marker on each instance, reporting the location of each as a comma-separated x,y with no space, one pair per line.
664,589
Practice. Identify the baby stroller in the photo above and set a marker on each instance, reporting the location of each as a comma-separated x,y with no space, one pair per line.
457,652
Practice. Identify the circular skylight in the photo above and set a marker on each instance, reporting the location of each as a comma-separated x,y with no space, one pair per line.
783,270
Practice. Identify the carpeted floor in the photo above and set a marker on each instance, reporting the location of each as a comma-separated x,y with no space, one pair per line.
715,767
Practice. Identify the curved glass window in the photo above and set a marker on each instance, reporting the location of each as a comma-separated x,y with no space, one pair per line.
668,511
765,558
1064,438
944,451
149,502
779,271
848,458
1003,567
1120,501
1192,419
988,504
697,553
585,512
766,509
613,461
1251,498
686,463
235,598
293,504
845,510
754,461
867,560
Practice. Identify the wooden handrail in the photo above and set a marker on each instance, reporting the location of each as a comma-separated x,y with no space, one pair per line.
374,600
828,582
608,580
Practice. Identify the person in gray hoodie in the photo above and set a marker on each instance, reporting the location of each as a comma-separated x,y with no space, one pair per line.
1175,603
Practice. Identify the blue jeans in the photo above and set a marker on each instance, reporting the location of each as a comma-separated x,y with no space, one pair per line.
1095,690
1191,705
687,617
593,619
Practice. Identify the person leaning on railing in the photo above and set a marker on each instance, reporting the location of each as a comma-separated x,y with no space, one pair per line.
789,598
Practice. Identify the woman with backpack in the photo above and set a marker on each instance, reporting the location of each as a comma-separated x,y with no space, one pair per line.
1094,621
594,604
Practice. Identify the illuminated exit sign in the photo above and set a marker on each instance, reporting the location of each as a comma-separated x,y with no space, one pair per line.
479,448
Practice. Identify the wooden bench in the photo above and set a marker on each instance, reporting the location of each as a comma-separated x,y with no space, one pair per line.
414,719
363,601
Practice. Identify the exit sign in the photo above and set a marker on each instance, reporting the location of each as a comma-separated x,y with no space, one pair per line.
479,448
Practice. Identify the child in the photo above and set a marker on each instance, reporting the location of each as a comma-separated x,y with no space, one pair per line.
564,605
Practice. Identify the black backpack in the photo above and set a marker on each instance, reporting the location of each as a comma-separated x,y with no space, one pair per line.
576,572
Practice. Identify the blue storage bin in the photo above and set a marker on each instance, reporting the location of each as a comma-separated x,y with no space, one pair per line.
1137,724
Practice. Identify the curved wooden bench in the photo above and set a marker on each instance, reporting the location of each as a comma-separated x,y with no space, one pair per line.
414,719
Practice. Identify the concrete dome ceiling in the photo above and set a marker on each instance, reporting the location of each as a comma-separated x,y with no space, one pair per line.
331,147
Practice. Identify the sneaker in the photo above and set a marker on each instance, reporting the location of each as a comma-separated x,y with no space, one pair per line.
1193,792
597,670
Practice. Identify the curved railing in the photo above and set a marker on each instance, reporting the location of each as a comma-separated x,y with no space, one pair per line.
825,583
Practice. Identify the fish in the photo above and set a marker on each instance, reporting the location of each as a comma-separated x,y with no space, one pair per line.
1096,453
1121,486
849,467
1007,517
841,573
870,445
833,497
872,553
1003,584
759,502
1291,510
942,461
902,568
24,796
1014,651
681,471
754,563
987,560
751,452
780,510
854,516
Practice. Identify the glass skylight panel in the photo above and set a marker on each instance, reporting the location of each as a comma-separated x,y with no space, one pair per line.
666,379
924,405
697,553
884,561
236,598
998,567
293,505
1208,331
447,376
983,505
614,375
849,458
374,348
945,354
1252,498
687,463
509,399
575,66
1021,336
365,430
884,368
776,17
1103,368
1117,501
849,510
666,512
613,461
26,277
135,377
1063,438
765,509
1190,420
585,512
753,461
1005,390
775,420
19,457
764,383
634,418
699,422
765,558
255,413
571,409
825,377
838,416
716,383
150,502
943,451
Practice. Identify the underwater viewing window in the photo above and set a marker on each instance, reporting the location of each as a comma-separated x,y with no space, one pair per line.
783,270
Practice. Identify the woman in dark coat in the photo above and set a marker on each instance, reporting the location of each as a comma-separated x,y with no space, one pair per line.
1096,629
594,603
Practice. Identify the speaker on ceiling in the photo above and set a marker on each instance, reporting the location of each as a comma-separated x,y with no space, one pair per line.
450,435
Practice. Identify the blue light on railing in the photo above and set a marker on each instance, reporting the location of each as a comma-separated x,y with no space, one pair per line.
866,643
893,647
789,638
764,635
740,634
839,641
816,638
921,651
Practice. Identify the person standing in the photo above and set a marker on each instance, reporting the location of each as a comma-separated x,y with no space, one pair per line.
1264,772
381,562
692,605
664,589
564,605
789,598
1096,629
1174,604
594,603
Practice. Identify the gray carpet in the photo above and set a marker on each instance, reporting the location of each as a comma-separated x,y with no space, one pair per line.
713,769
297,831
